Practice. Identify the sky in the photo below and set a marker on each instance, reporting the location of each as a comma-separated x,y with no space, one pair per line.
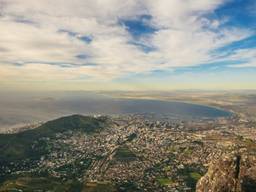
127,45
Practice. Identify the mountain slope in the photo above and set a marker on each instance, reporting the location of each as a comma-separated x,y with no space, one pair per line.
231,173
18,146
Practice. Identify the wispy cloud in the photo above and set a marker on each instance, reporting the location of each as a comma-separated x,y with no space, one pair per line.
111,39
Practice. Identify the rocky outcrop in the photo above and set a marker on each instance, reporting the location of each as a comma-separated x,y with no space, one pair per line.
234,172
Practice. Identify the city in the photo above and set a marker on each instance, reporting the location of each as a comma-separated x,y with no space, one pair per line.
136,152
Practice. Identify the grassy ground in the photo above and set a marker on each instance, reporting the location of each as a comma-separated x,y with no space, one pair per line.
164,181
123,153
31,184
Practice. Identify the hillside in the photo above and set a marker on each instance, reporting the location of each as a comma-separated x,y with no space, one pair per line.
231,173
19,145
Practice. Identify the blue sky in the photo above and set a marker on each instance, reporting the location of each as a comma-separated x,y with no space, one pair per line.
170,44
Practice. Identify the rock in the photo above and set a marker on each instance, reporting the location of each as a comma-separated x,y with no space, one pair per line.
232,173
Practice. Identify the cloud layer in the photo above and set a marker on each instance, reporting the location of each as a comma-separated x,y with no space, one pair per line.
110,39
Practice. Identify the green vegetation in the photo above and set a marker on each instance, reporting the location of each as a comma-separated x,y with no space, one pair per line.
74,122
98,187
132,137
191,175
123,153
173,149
19,145
163,181
128,186
31,184
167,168
188,151
194,175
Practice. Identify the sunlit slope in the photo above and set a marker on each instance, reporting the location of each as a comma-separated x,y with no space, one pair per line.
18,146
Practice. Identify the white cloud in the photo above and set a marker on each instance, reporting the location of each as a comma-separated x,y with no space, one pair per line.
30,34
248,56
245,65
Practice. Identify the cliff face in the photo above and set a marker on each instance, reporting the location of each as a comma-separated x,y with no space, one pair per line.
231,173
